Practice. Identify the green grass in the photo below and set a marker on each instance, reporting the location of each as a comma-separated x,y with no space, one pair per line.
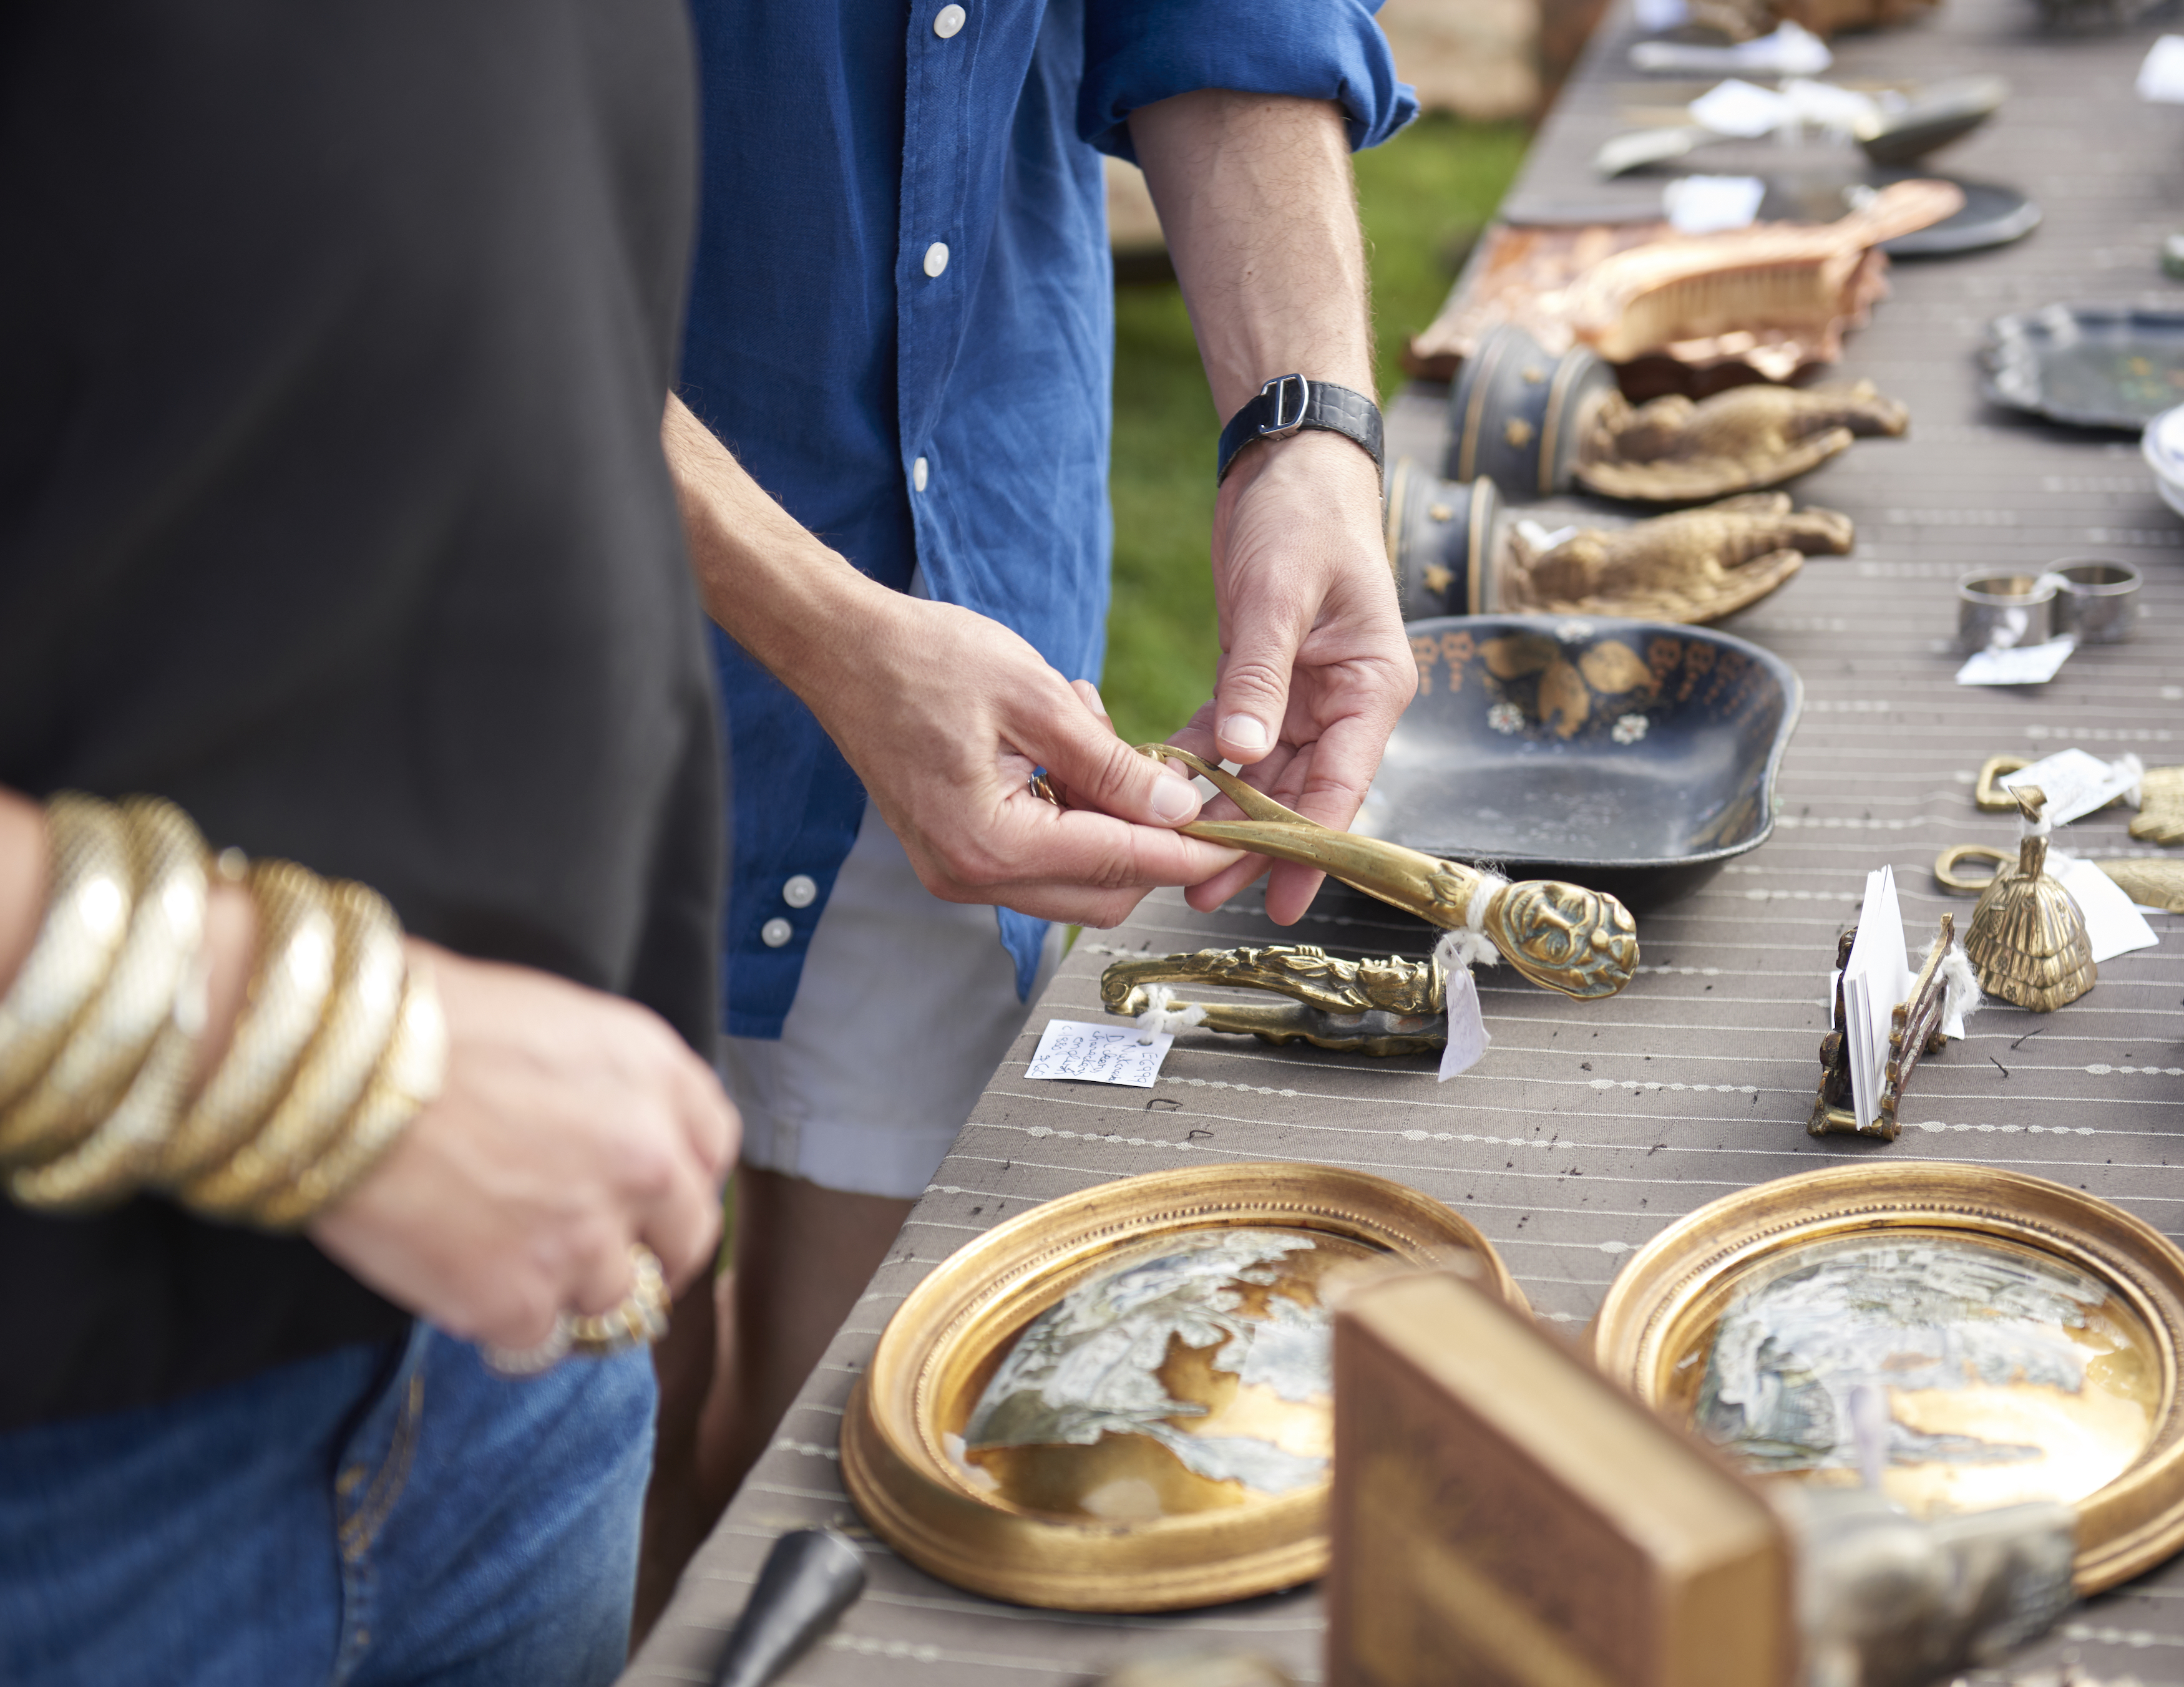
1431,186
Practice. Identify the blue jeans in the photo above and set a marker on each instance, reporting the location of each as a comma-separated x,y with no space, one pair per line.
381,1514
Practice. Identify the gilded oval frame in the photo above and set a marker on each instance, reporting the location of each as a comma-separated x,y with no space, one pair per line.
898,1474
2124,1529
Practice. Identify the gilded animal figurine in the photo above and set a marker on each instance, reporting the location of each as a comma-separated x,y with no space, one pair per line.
1577,941
1675,451
2027,940
1373,1007
1695,565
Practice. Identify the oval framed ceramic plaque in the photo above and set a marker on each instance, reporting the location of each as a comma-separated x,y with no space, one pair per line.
1122,1400
1965,1336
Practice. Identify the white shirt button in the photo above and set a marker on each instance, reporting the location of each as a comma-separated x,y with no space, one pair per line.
918,475
801,891
775,933
947,21
936,258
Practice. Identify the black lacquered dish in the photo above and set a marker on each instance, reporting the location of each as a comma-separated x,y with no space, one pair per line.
2089,365
1632,757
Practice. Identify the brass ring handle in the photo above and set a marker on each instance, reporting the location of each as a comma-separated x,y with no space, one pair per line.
1566,938
1946,864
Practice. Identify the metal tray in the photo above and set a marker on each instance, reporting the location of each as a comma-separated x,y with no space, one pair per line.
2089,365
1631,757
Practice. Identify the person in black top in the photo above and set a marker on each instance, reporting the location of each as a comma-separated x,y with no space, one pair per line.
334,343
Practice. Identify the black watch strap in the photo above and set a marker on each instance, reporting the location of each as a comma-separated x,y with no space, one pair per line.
1290,402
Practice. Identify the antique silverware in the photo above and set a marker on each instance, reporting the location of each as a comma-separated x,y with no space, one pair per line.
2151,881
2003,611
1915,1029
810,1579
2027,940
2098,603
1563,936
1371,1007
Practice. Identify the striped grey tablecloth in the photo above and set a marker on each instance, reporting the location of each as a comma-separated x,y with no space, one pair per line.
1587,1129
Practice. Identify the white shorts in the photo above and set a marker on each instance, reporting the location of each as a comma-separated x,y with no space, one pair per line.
906,1005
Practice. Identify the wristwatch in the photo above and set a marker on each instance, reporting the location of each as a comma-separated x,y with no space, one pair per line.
1290,402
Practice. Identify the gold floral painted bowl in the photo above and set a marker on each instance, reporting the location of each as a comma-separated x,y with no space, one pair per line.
1631,757
1969,1336
1121,1400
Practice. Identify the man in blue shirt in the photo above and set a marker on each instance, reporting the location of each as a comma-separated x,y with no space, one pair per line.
901,329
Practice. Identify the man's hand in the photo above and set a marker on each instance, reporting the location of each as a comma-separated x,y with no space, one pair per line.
943,714
572,1124
945,719
1312,639
1255,199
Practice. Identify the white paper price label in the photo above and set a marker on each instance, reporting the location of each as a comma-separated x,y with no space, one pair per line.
1071,1049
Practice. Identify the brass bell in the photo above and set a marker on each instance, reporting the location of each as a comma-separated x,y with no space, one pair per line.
2028,937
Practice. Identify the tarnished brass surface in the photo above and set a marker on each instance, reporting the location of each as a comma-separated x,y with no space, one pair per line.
1373,1007
1915,1028
1961,1438
1208,1542
2027,938
1695,565
1674,450
2151,881
2161,806
1563,936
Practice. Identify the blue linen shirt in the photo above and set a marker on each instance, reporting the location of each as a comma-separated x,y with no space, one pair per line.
902,261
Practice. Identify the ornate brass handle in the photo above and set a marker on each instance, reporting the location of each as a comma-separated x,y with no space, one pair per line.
1373,1007
1563,936
1947,863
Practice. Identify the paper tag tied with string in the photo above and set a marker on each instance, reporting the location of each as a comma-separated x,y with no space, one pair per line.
1454,956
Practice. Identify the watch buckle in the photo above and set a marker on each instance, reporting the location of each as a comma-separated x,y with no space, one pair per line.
1280,387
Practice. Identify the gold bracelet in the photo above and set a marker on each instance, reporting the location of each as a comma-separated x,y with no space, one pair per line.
406,1079
110,1164
330,1079
109,1040
87,915
291,981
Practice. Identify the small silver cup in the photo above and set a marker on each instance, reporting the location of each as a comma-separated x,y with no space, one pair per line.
2003,611
2098,601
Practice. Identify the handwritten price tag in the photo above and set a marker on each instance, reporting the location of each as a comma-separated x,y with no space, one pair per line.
1098,1053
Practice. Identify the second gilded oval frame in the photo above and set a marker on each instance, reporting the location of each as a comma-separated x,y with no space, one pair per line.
1665,1305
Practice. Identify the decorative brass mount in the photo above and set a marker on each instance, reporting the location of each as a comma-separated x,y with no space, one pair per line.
1563,936
1373,1007
1915,1028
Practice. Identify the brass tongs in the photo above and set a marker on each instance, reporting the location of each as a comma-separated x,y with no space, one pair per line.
1563,936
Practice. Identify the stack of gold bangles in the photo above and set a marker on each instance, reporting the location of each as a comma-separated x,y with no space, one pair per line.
339,1044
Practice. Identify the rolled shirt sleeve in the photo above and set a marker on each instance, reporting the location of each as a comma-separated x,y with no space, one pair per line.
1137,52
